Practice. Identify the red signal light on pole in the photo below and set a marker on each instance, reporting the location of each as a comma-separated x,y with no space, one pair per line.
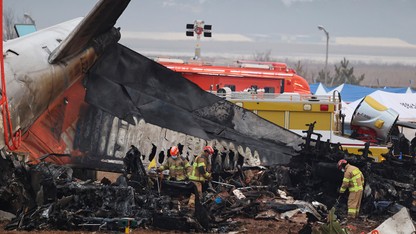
200,29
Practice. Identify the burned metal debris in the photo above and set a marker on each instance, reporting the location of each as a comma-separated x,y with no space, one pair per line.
15,188
141,88
46,196
392,181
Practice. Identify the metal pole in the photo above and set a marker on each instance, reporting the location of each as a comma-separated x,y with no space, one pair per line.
327,43
197,48
320,27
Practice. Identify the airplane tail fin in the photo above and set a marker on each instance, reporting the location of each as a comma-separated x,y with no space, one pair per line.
98,21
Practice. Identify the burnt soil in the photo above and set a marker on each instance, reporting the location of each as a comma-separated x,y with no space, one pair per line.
247,226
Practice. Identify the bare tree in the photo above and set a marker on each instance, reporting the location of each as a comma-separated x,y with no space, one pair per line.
9,20
300,69
262,56
321,76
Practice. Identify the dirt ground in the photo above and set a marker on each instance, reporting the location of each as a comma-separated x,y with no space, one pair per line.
247,226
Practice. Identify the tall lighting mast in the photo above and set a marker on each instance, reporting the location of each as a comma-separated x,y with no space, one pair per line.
320,27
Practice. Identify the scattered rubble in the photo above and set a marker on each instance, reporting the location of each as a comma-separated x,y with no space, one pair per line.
47,197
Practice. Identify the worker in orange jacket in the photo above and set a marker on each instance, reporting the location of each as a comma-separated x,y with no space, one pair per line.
353,181
201,172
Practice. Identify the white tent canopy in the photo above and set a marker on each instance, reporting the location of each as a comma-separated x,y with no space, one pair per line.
351,93
321,90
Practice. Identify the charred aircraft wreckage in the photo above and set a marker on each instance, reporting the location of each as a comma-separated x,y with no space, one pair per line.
78,99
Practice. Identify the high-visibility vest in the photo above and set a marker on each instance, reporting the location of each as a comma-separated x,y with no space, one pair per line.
353,179
195,175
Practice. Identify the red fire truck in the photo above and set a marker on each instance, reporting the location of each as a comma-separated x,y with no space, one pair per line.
268,77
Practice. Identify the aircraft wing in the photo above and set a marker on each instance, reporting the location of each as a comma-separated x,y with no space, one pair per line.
99,20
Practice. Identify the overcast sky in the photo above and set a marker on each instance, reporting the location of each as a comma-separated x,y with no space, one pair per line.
387,23
352,18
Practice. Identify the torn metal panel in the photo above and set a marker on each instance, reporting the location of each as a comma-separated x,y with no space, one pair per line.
54,130
6,216
129,85
400,222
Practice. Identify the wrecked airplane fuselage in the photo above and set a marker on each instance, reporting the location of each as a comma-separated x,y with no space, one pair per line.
133,100
132,87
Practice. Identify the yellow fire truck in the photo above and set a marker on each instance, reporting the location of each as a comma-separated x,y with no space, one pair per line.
295,111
